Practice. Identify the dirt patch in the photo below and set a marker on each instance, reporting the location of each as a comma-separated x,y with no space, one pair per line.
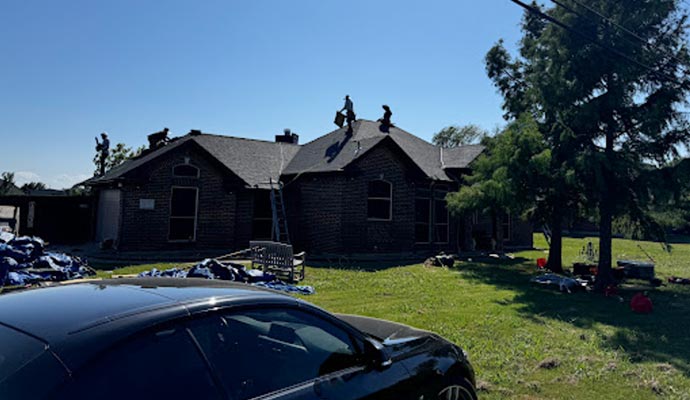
549,363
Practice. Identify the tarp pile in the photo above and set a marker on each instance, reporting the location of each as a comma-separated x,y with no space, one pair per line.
23,261
213,269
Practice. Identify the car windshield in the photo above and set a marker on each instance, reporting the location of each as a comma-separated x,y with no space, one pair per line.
22,350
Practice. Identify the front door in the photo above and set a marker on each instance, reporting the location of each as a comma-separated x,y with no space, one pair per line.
108,219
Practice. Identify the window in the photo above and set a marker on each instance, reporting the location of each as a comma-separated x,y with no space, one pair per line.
183,207
440,216
422,215
506,227
162,364
186,171
431,215
379,204
262,221
255,352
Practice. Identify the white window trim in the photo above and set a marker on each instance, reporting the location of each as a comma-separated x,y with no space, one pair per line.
198,171
389,199
196,214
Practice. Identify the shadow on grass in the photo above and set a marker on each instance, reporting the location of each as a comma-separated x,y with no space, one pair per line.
661,336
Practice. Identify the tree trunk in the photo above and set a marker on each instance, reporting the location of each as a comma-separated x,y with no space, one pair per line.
555,261
604,273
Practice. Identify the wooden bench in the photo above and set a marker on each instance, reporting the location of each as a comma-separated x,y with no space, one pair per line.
278,258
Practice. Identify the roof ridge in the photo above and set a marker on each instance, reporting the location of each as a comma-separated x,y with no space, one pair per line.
243,138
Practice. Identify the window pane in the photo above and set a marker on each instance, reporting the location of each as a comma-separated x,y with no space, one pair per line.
183,202
379,209
421,211
160,365
182,229
441,213
379,189
186,170
421,233
441,234
260,351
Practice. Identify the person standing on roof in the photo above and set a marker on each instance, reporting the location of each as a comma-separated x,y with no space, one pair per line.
349,108
104,148
386,120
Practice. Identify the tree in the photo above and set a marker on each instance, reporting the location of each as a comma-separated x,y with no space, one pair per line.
118,154
507,177
30,186
454,136
607,100
7,184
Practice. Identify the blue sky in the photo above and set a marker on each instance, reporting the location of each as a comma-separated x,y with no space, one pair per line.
72,69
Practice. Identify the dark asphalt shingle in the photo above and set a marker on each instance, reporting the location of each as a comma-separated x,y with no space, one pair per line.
257,161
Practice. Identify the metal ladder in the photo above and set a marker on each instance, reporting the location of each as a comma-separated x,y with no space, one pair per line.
279,231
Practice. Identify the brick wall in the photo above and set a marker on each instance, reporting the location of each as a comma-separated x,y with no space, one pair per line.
219,201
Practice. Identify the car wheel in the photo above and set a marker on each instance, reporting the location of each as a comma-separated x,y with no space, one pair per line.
458,391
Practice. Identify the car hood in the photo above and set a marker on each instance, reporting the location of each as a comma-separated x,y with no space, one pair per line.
385,331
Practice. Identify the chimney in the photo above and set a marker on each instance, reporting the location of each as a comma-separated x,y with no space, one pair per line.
287,137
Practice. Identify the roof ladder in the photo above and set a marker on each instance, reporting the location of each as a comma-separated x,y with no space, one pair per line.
279,231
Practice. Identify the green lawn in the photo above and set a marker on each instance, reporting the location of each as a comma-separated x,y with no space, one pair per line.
596,347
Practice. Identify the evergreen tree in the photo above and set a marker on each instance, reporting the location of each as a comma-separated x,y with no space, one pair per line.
607,100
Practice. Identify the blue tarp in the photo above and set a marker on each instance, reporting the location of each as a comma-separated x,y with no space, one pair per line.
212,269
23,260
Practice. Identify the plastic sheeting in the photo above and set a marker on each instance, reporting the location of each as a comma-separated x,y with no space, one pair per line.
23,261
212,269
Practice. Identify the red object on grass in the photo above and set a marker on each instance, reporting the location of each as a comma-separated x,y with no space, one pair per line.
541,262
641,304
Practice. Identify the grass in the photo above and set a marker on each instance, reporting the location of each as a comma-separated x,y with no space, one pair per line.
531,342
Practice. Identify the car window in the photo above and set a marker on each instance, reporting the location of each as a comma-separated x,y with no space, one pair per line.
255,352
163,364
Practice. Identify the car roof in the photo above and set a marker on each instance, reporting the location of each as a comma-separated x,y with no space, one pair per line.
70,317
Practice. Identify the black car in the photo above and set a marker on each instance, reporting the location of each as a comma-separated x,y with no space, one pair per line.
166,338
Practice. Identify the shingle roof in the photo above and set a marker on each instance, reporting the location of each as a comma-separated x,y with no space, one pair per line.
257,161
460,157
254,161
337,149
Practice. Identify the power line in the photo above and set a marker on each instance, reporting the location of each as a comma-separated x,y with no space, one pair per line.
611,22
592,40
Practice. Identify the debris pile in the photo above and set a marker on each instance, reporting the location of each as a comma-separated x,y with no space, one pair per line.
24,260
214,269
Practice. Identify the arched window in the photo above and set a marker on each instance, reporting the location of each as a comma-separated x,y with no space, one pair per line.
186,171
380,201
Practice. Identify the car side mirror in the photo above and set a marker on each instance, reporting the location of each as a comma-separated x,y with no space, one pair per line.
376,353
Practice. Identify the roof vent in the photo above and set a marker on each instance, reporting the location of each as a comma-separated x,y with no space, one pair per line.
287,137
194,132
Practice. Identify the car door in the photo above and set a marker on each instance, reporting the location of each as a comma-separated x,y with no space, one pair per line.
283,352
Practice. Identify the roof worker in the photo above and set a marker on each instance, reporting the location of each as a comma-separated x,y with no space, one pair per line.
104,148
349,107
386,120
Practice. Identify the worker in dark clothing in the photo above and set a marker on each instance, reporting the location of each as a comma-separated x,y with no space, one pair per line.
104,148
386,120
349,108
158,139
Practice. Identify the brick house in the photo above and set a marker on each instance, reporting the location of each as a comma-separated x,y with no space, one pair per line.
348,192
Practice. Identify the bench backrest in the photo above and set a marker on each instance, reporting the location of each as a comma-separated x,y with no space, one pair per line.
273,253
